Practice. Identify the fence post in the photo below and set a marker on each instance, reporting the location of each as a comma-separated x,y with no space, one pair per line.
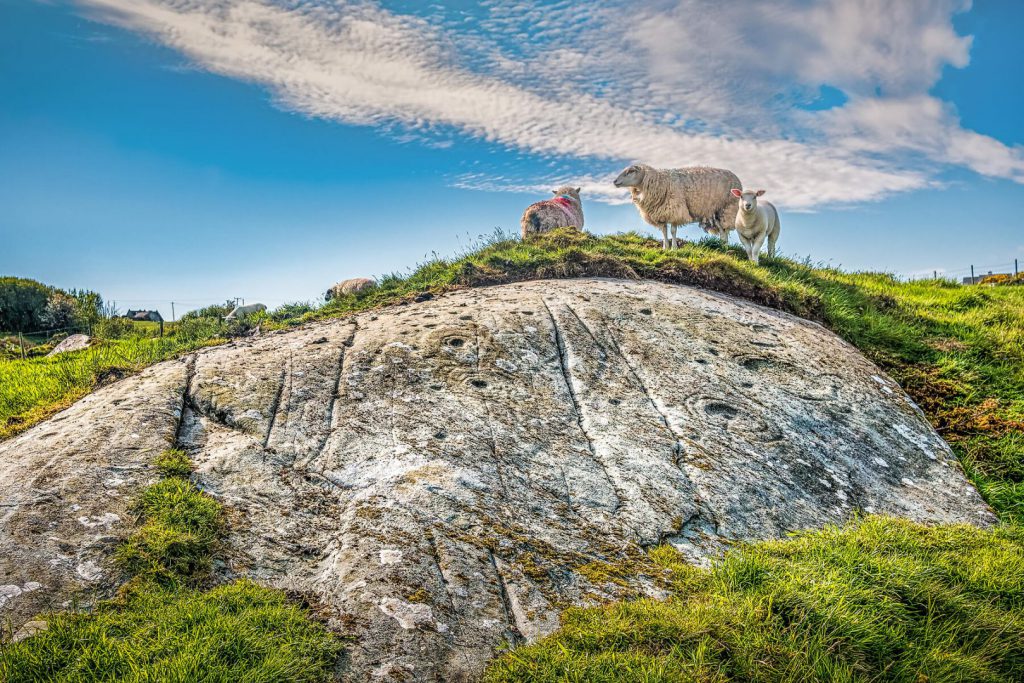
21,340
972,276
1015,267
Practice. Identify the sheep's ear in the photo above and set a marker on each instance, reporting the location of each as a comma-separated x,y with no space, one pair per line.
760,192
555,192
578,190
736,193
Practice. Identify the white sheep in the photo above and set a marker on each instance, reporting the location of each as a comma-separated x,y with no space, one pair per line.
672,197
350,286
756,222
564,211
248,309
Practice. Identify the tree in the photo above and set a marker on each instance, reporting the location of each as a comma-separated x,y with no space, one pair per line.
88,308
59,312
22,304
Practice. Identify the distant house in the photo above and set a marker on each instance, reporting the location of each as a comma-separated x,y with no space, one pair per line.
143,316
978,278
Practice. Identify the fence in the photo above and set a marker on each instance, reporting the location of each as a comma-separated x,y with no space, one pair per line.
972,274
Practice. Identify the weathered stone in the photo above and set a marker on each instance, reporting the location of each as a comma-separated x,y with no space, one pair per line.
75,342
437,474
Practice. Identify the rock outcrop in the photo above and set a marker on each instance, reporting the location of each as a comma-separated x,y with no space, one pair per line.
75,342
440,475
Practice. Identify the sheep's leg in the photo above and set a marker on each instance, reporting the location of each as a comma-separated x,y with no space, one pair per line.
664,236
772,239
675,242
758,242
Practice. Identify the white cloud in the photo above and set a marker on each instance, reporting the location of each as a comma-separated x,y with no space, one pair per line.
671,83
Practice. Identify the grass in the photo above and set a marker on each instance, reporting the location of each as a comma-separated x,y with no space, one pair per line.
33,389
236,632
880,600
163,626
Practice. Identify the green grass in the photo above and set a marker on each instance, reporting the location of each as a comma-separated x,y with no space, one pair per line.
33,389
163,626
237,632
177,536
881,600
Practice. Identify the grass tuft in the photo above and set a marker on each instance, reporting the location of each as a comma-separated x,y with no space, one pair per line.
180,528
882,599
174,463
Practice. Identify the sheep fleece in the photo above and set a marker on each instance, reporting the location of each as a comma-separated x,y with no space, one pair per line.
560,212
677,196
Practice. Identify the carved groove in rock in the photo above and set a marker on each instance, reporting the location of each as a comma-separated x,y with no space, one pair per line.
437,474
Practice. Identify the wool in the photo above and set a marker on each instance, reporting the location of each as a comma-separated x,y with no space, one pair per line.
677,196
563,211
756,224
351,286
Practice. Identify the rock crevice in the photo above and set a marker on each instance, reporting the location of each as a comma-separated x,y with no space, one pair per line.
440,475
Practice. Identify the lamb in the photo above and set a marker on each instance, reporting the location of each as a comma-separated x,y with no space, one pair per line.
676,196
350,286
564,211
756,222
240,311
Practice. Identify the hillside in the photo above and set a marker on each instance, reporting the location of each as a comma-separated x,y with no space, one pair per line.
252,422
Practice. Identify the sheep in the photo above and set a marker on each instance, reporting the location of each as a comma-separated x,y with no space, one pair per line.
676,196
351,286
564,211
756,222
248,309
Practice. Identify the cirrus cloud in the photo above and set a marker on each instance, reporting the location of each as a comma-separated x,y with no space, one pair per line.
679,83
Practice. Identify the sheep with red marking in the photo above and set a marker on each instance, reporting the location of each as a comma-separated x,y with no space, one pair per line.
564,211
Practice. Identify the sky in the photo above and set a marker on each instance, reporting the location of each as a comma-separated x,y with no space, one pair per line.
199,150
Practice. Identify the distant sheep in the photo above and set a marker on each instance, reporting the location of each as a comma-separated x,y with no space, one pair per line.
672,197
351,286
755,222
248,309
564,211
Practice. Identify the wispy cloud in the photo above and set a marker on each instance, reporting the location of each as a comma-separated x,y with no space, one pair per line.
669,83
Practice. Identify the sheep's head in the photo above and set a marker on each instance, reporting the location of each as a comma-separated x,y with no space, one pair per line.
632,176
748,198
567,191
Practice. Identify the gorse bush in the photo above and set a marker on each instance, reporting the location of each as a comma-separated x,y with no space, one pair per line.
881,600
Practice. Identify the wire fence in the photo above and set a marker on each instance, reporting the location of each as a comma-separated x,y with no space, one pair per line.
971,274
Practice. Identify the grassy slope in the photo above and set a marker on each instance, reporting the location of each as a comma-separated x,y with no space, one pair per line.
946,602
883,600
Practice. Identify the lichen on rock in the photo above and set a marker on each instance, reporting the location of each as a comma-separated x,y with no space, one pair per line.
447,476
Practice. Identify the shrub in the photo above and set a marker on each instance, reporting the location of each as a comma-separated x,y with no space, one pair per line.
114,328
292,310
198,329
214,311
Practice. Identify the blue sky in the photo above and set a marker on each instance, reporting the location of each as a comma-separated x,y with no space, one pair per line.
189,150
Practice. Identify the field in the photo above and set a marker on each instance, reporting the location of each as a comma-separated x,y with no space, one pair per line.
878,600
